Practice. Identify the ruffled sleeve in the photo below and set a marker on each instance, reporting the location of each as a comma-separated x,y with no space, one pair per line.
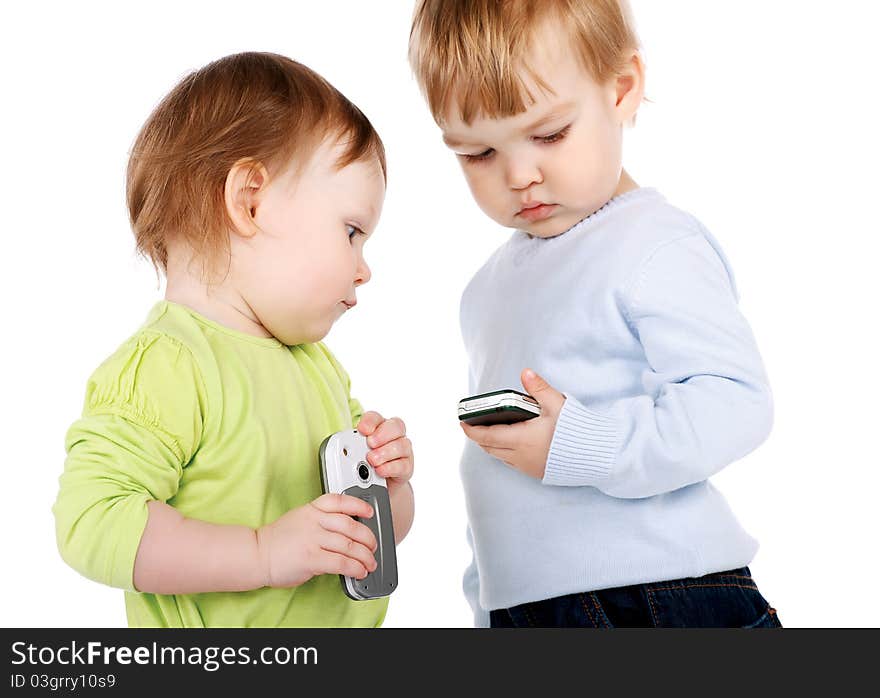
141,425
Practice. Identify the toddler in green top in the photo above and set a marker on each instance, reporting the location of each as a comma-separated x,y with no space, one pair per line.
192,478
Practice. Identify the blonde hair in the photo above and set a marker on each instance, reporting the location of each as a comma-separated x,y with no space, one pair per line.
473,51
261,107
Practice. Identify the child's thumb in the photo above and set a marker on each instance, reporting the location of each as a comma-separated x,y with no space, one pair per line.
541,390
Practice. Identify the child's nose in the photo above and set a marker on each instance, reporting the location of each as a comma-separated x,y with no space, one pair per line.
363,274
522,173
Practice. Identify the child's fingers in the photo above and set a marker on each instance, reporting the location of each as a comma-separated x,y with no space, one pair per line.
502,454
389,430
348,527
336,563
496,436
343,504
338,543
368,422
399,448
400,469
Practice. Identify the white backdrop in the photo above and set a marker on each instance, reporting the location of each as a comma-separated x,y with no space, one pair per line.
763,123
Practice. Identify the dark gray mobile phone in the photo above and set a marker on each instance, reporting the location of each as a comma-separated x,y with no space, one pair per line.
498,407
344,470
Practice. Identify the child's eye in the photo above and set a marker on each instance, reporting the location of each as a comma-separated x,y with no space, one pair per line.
479,157
353,230
554,137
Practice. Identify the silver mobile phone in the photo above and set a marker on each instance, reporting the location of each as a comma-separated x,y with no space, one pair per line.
498,407
344,470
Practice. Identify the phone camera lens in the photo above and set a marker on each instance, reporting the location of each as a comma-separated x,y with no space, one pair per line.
363,471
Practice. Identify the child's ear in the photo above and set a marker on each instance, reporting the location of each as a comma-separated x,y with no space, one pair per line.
245,184
630,89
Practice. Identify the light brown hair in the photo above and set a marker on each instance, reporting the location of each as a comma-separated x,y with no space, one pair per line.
261,107
472,52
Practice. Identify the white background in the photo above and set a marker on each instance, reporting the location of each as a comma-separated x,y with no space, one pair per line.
763,123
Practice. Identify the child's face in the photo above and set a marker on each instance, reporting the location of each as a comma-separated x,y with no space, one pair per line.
547,168
299,272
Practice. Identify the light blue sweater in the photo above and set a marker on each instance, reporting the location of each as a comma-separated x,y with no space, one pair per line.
632,314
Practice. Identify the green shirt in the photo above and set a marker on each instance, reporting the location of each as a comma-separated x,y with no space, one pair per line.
223,426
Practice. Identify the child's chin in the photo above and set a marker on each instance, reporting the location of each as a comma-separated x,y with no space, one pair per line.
317,335
545,231
553,226
319,331
308,335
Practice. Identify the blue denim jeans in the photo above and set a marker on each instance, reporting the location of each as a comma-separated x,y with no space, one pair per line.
719,600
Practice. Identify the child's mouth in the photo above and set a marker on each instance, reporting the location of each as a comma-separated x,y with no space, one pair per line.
537,212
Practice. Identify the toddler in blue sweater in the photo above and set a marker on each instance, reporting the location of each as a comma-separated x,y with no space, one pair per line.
600,512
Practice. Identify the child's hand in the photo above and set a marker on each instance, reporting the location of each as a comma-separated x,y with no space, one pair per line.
391,453
523,445
318,538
